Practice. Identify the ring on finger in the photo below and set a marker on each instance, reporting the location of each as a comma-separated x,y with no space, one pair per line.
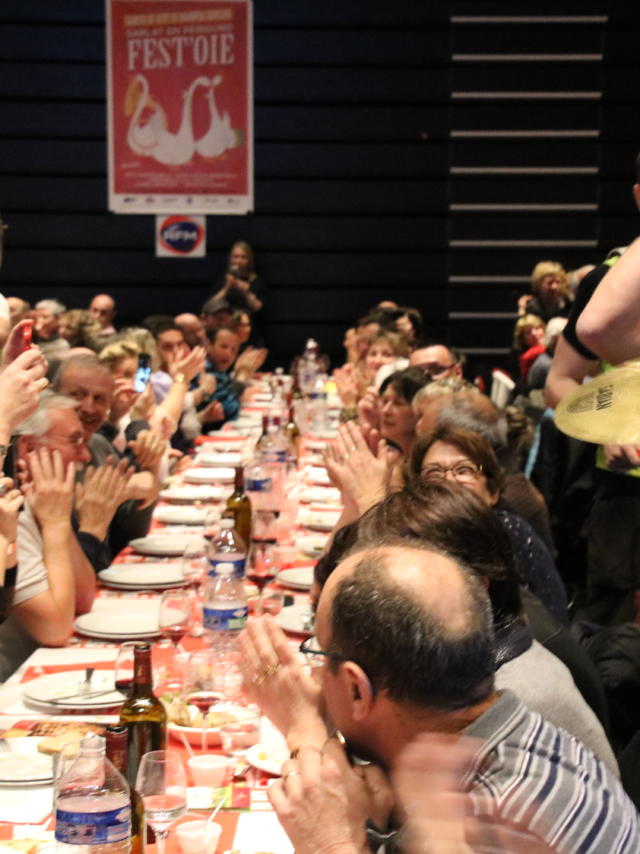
290,774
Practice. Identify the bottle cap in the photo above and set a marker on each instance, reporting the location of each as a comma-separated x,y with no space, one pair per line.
224,569
226,522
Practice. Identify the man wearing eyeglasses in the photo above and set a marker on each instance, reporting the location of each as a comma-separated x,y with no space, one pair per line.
405,638
54,578
100,405
437,360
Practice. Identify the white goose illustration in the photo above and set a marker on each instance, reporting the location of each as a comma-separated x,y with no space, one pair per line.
220,136
153,139
142,137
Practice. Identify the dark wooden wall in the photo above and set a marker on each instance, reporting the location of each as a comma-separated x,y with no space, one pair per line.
426,152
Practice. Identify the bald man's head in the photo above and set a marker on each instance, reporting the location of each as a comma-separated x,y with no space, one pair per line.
416,621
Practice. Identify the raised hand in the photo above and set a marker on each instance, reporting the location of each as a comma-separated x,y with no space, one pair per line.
99,496
361,475
21,382
323,803
148,449
275,679
10,502
190,364
50,488
213,412
369,409
124,396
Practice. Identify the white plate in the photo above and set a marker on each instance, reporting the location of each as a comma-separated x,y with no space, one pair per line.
312,544
320,495
142,576
209,475
22,765
219,459
320,520
191,494
267,757
180,515
290,619
46,690
224,441
317,476
121,621
171,545
297,578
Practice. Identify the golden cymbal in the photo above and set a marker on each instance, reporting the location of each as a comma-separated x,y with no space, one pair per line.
605,410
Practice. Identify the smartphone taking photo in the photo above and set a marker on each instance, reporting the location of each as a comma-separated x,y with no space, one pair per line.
143,373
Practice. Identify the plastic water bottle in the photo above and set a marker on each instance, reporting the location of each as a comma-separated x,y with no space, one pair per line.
259,486
308,367
227,547
92,806
319,409
224,616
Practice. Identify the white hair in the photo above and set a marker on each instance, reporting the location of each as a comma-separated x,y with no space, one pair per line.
37,424
53,306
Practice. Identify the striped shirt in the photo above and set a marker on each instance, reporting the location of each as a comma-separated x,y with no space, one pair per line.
533,774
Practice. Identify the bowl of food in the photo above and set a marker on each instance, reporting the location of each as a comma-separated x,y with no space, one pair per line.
201,728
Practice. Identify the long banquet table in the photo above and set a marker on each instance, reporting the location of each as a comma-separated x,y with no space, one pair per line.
249,824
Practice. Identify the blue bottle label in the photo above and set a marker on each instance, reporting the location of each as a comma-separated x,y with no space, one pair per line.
262,484
225,619
238,565
92,828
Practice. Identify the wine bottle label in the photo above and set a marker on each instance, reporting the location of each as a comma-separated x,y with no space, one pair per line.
237,563
225,619
90,828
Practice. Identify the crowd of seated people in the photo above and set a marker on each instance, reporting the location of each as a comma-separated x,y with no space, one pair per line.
92,420
442,604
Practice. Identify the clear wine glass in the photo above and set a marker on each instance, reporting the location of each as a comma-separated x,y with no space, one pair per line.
162,785
262,570
212,522
123,673
195,566
200,688
174,616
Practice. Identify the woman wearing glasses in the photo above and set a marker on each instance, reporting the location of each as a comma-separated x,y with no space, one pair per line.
464,456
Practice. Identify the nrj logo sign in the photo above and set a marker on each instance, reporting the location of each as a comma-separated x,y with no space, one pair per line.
181,236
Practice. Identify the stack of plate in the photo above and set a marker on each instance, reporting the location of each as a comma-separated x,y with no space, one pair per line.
115,622
142,576
219,459
192,494
164,545
209,474
64,691
180,515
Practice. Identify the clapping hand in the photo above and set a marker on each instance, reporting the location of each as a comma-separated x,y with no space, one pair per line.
275,679
10,502
21,381
189,364
99,496
323,803
427,779
362,475
124,396
148,449
50,488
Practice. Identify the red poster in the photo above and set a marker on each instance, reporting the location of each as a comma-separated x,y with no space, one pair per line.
180,94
